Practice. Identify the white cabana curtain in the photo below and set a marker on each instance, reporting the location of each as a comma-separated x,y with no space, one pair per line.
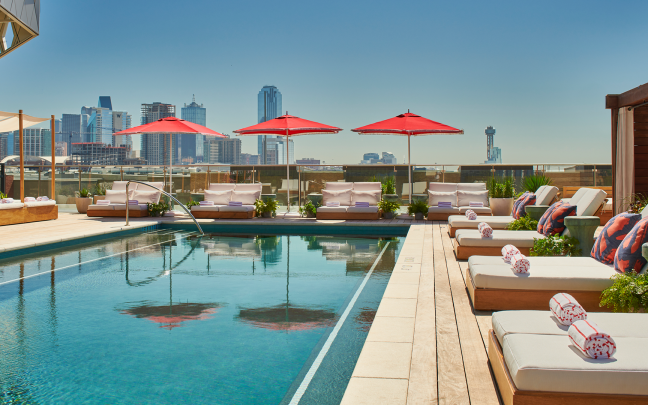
624,176
9,121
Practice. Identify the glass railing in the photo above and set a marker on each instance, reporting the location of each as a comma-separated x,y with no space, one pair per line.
189,182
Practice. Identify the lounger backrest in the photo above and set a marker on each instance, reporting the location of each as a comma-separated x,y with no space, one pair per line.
443,187
121,185
222,186
249,187
471,186
590,202
158,184
644,212
578,195
367,186
539,192
338,185
546,195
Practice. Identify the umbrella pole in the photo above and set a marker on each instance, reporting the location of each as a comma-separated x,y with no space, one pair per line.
171,167
287,172
409,168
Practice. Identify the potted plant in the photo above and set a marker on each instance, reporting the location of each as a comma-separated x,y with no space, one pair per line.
418,208
554,245
100,192
267,208
501,196
157,210
309,210
388,208
629,293
83,200
388,188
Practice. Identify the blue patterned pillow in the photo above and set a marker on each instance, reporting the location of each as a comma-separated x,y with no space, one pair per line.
612,235
517,202
628,256
556,221
547,214
530,199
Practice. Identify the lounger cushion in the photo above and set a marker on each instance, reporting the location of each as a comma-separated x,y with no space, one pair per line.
577,195
470,237
121,185
546,195
541,261
441,196
612,235
245,197
338,210
476,210
222,197
471,186
143,197
563,276
367,186
529,199
628,256
131,207
241,208
442,210
212,208
145,187
249,187
341,196
464,198
222,186
551,363
590,202
118,196
338,185
545,323
442,187
40,203
96,207
547,214
371,197
13,205
555,224
460,221
362,210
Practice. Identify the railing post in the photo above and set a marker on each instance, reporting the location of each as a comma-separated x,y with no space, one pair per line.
594,175
127,203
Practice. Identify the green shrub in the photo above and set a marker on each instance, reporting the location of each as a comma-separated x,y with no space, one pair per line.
388,185
634,203
500,189
270,205
526,223
100,188
556,246
309,207
192,203
388,206
533,183
84,193
418,207
157,210
629,293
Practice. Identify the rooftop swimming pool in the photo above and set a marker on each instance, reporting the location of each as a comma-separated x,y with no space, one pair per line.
170,317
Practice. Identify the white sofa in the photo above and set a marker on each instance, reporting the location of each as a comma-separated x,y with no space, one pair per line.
222,193
34,211
460,195
347,194
544,196
118,199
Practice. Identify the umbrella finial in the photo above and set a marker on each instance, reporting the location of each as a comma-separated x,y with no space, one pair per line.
408,110
194,98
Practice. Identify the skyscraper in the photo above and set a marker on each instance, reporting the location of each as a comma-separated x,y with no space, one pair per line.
36,142
73,128
493,153
155,147
121,120
223,150
269,107
192,146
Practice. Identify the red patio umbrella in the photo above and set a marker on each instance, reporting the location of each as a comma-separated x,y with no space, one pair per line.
170,125
288,125
411,125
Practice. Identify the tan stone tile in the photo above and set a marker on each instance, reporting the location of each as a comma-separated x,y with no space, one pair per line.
391,329
401,291
384,360
407,268
375,391
400,307
404,278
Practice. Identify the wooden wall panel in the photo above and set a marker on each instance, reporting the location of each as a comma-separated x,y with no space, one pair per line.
641,149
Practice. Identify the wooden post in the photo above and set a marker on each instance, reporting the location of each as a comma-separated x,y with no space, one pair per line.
615,116
22,156
53,129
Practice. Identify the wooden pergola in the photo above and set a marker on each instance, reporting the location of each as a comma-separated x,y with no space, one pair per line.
635,100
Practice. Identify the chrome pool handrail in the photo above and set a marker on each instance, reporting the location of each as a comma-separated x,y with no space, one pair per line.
165,193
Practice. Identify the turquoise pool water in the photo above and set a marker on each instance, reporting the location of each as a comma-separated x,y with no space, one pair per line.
168,317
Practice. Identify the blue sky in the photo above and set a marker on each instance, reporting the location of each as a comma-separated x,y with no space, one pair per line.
536,71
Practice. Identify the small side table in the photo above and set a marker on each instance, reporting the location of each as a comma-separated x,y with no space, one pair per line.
419,197
266,197
536,211
315,198
583,229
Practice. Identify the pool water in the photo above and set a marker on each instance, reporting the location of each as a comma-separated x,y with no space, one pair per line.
168,317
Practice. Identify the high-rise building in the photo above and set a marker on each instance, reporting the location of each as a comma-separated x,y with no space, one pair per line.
6,138
36,142
248,159
269,107
191,146
97,153
374,158
155,147
276,151
60,149
121,120
73,128
493,153
223,150
388,158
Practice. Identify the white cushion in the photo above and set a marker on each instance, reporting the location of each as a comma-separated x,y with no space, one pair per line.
363,210
372,197
13,205
338,185
39,203
206,207
470,237
222,186
93,207
245,197
471,186
578,195
145,187
442,187
367,186
249,187
460,221
441,196
477,210
442,210
551,363
342,209
542,261
144,197
590,202
118,196
341,196
131,207
218,197
241,208
464,198
546,195
121,185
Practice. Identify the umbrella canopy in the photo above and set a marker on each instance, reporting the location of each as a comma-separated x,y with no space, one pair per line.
287,317
170,317
411,125
170,125
288,125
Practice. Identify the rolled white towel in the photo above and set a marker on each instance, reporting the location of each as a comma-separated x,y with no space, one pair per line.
566,309
235,204
133,202
485,230
591,340
7,200
332,203
30,199
471,215
508,251
476,204
520,263
103,202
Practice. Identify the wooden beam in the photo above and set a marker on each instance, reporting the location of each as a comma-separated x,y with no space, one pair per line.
614,117
635,96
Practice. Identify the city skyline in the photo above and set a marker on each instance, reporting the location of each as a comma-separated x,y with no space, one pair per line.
532,70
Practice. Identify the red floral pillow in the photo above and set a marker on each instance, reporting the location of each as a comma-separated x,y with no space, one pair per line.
612,235
556,222
530,199
547,214
628,256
